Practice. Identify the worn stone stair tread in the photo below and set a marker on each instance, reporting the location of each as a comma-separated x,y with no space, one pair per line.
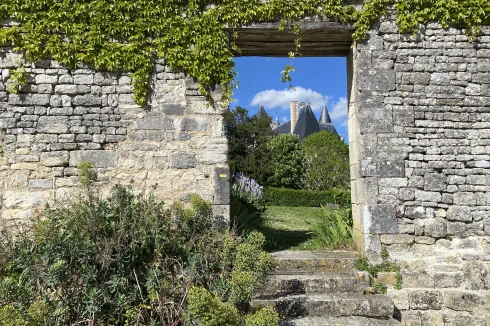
315,283
339,321
338,304
312,262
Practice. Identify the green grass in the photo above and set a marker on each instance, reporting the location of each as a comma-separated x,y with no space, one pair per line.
288,228
293,228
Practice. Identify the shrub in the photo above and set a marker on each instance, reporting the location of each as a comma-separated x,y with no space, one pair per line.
305,198
127,260
246,203
285,162
334,230
326,162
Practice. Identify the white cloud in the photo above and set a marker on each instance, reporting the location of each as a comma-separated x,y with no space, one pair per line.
339,111
280,99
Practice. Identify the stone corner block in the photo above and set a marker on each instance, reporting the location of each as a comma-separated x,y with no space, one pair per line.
380,218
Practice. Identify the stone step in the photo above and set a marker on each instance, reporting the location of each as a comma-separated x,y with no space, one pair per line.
339,321
336,305
282,285
314,262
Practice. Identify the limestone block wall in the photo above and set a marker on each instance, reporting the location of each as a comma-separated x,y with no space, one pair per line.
420,154
173,147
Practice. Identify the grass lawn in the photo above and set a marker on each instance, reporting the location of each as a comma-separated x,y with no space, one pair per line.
287,228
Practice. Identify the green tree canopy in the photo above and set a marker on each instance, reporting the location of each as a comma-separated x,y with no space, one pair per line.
326,162
285,162
247,141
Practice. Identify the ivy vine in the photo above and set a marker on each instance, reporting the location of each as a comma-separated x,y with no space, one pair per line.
127,35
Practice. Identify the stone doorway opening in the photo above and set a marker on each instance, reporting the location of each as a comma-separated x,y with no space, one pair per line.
319,40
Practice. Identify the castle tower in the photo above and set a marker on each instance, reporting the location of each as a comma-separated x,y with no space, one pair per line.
293,107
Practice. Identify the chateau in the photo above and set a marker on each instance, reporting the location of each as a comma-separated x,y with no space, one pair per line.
304,123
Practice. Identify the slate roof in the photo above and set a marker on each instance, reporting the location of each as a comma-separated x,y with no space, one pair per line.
283,129
325,117
307,123
261,111
326,123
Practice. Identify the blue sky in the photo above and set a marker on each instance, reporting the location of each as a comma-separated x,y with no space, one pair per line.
314,78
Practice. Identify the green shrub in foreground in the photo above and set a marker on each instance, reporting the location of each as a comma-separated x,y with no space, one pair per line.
129,260
305,198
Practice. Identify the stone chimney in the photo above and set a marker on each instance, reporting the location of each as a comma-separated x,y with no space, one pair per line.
293,106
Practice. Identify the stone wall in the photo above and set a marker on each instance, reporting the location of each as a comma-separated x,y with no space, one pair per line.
173,147
420,154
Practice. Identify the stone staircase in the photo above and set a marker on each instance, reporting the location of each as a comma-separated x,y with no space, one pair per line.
323,289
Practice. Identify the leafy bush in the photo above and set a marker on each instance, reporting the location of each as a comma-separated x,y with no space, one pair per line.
305,198
285,162
246,203
326,162
335,228
127,260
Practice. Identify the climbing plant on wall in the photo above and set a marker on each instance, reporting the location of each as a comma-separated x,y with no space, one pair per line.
126,35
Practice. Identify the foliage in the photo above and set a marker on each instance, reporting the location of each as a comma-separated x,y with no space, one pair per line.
363,264
127,35
326,162
87,174
334,230
246,204
305,198
263,317
247,143
18,79
126,260
285,162
1,151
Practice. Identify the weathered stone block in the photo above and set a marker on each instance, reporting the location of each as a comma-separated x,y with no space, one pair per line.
24,199
183,160
462,301
382,218
382,168
213,152
193,124
29,99
53,124
222,186
87,100
426,300
476,276
448,280
427,196
457,320
155,123
57,158
464,198
459,213
173,109
375,120
100,158
376,79
435,182
41,183
436,227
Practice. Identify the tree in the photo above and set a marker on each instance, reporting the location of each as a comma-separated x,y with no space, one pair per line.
285,162
326,162
247,143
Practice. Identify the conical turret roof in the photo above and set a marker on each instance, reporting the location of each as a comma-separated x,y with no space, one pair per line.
307,123
324,116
